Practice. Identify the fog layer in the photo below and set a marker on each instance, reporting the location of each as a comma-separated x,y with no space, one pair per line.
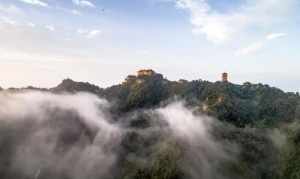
74,136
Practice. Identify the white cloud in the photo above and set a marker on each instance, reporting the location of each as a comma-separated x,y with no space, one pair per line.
35,2
75,12
257,46
273,36
220,27
70,11
83,3
30,24
50,27
252,48
10,9
89,33
93,33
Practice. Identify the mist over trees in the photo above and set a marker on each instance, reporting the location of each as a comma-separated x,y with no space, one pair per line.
150,128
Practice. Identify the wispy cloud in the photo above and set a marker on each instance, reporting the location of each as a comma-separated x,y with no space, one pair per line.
69,11
75,12
252,48
93,33
220,27
257,46
275,36
50,27
10,9
35,2
89,33
84,3
30,24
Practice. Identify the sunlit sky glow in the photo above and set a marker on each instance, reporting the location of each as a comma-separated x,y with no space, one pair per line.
102,41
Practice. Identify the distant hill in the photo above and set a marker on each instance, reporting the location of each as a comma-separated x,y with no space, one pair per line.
71,86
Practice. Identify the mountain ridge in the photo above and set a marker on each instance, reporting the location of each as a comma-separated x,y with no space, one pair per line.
68,82
239,104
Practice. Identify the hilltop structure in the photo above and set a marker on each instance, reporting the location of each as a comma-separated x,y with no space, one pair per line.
145,72
141,75
130,78
224,77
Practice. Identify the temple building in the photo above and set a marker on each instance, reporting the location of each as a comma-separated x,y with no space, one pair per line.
224,77
145,72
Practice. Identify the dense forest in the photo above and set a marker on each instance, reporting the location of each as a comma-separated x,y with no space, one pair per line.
149,127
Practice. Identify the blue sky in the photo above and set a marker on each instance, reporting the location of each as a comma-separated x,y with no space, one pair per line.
102,41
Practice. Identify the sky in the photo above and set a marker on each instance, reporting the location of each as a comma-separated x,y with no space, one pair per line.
103,41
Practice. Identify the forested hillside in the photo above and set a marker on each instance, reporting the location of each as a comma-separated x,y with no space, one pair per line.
241,105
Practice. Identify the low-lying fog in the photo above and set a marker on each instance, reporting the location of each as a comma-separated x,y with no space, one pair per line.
45,135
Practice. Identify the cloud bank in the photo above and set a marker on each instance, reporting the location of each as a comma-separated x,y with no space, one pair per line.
56,136
203,154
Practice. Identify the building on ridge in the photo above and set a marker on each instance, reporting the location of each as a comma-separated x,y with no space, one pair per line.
224,77
145,72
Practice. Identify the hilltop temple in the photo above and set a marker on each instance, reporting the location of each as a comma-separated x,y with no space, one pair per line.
225,77
145,72
140,74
